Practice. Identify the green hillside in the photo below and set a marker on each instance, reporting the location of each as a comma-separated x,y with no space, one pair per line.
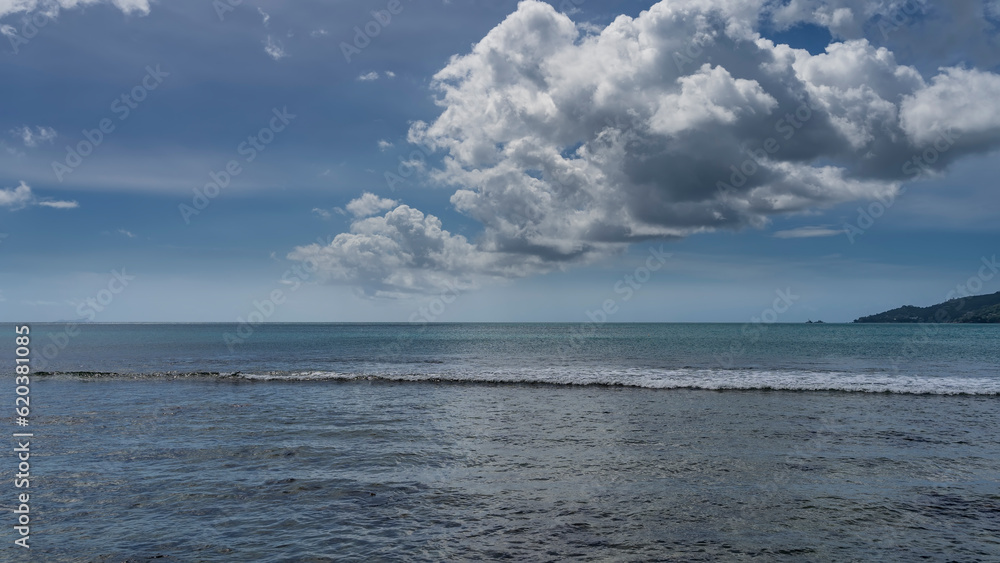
976,309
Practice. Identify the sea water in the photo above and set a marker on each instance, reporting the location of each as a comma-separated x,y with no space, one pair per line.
536,442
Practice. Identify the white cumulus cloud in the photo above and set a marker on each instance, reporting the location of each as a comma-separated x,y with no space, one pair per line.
370,204
569,142
959,102
399,253
16,198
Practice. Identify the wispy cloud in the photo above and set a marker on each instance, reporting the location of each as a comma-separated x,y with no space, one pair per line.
32,137
322,213
264,16
128,234
274,49
52,8
59,204
809,232
374,75
21,197
384,145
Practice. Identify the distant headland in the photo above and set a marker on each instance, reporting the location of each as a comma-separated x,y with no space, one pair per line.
976,309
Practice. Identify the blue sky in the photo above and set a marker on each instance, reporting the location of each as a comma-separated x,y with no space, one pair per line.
556,146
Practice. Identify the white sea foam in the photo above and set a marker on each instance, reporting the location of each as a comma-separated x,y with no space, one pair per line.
785,380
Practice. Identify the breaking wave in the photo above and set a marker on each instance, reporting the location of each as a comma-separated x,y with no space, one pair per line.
684,378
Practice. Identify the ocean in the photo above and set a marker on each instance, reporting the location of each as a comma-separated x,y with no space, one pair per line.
525,442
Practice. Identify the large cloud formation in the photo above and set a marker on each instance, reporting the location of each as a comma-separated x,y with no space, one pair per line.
567,143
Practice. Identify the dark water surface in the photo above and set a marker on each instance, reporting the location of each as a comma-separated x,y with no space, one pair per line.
332,446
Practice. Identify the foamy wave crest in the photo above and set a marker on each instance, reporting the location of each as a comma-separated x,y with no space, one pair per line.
716,380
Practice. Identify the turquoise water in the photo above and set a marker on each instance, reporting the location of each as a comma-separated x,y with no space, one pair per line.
479,442
901,358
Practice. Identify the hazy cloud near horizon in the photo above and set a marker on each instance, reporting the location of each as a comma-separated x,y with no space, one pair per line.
567,143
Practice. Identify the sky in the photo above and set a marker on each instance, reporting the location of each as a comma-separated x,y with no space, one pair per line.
473,160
